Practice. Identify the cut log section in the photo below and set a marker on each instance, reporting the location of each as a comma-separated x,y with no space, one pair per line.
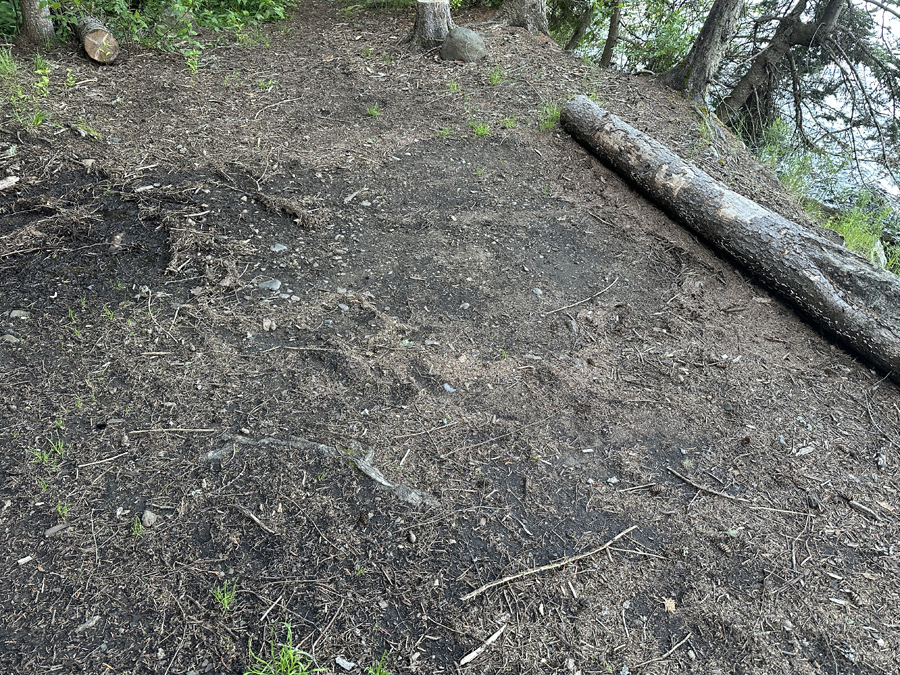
433,23
97,39
840,292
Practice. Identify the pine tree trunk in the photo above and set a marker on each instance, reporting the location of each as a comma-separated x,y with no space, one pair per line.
37,27
692,76
98,41
790,32
837,290
612,37
433,23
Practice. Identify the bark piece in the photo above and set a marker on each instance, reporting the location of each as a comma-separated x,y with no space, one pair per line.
433,23
854,301
97,39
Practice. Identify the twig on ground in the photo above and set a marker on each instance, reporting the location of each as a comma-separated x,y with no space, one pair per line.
474,654
167,431
666,655
271,607
581,302
322,634
247,512
706,489
103,461
549,566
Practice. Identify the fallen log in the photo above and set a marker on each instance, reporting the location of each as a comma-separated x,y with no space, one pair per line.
840,292
97,39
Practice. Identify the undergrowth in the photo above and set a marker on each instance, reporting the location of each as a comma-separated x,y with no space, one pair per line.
866,222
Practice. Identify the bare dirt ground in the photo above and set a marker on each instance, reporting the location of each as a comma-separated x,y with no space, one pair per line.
231,297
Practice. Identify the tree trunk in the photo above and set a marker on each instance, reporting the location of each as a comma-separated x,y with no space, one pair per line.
583,24
37,27
433,23
790,32
612,37
692,76
528,14
851,299
98,41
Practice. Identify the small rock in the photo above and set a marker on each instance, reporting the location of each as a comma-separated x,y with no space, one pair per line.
56,528
11,339
463,44
882,460
538,292
344,663
382,604
465,305
366,202
343,308
448,388
148,519
270,285
277,248
18,314
411,537
90,623
268,325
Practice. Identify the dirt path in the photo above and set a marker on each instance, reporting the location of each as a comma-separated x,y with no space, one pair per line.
260,294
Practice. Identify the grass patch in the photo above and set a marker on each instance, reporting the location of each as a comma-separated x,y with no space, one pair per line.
548,115
373,110
283,659
480,129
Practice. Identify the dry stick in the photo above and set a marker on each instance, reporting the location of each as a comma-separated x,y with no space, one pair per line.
706,489
471,656
273,105
328,627
271,607
666,655
166,431
581,302
550,566
103,461
247,512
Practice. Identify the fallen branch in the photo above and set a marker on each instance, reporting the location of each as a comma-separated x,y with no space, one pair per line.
706,489
474,654
581,302
666,655
550,566
855,301
247,512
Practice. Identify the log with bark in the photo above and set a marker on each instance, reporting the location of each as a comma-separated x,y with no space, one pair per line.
839,291
97,39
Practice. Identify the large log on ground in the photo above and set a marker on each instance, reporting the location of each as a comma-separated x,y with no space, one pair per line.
97,39
840,292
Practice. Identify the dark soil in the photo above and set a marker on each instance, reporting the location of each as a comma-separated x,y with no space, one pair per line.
497,323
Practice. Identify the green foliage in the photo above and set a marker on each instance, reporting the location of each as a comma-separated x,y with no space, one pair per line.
137,527
373,110
225,596
862,227
495,76
10,21
445,131
379,668
508,122
549,115
480,129
283,659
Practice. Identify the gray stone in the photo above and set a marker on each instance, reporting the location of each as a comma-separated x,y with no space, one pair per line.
271,284
463,44
149,518
18,314
11,339
277,248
